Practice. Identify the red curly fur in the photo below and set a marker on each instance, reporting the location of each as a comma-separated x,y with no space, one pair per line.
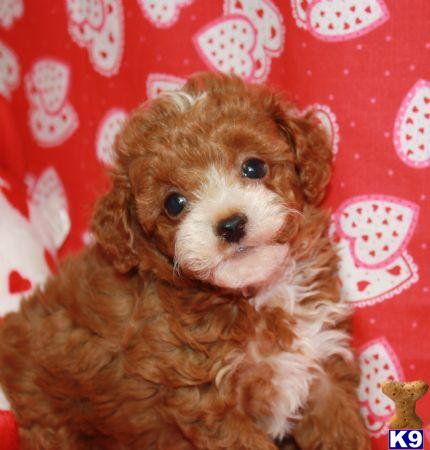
118,351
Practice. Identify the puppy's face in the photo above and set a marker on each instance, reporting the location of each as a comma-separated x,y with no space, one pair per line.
213,180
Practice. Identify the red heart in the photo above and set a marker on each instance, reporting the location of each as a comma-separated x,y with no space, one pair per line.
394,271
17,283
376,356
272,32
330,26
260,13
362,285
304,5
238,5
258,64
426,100
365,237
409,120
386,366
368,10
375,207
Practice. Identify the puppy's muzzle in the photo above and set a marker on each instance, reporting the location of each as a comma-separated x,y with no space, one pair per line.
232,229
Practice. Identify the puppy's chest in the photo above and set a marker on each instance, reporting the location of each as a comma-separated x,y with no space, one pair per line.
281,361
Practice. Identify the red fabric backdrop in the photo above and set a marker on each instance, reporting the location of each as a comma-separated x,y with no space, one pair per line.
70,71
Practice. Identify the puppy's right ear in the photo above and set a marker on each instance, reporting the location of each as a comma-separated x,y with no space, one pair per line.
112,227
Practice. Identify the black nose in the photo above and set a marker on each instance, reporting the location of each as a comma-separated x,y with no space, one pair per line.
232,229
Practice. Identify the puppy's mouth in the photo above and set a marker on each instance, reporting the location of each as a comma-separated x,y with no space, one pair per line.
251,266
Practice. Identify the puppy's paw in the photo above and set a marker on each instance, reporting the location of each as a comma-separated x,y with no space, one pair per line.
344,430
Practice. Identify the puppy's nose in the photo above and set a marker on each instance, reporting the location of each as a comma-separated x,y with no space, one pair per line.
232,229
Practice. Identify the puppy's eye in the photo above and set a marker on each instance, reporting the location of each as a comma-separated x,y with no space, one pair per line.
174,204
254,168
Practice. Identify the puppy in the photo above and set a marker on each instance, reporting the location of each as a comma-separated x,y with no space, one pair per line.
207,314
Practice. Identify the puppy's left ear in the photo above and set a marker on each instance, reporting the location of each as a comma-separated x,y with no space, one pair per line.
112,226
313,152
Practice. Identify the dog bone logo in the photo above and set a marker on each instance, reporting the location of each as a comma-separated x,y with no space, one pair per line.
338,20
98,26
163,13
9,71
412,127
405,396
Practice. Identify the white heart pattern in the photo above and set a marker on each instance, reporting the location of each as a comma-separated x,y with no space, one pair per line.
270,31
52,119
378,363
98,25
28,267
412,127
50,81
108,129
227,45
10,10
244,40
49,210
328,121
365,287
339,20
377,227
9,71
163,13
157,83
300,8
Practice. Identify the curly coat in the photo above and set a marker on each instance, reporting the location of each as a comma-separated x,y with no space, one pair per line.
120,351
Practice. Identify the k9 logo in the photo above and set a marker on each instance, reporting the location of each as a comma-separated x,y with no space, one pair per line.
406,439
